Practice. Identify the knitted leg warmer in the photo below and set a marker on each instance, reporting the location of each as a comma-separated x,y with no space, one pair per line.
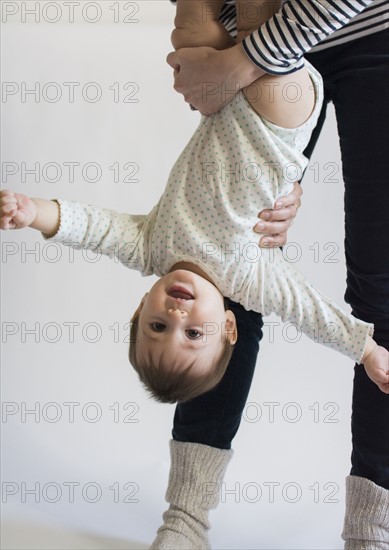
366,524
196,472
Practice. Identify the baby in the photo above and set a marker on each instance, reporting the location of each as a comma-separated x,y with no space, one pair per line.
199,239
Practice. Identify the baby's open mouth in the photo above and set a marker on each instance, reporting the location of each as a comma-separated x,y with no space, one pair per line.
180,293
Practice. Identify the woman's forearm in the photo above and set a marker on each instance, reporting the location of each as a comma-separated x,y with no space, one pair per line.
279,47
197,24
195,12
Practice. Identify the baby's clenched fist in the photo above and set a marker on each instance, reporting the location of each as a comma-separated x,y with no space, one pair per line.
16,210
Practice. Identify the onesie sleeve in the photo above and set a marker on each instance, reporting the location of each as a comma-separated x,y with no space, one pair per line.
276,287
118,236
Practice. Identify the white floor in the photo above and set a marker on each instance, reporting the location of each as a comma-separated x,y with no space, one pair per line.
16,535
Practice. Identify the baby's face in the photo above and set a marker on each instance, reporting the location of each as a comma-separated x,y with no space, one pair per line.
183,317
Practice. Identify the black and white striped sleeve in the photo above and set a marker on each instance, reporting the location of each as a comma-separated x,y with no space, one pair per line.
279,44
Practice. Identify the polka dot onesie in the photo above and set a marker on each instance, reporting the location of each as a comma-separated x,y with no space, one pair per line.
236,164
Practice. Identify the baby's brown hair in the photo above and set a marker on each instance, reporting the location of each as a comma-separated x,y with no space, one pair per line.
171,385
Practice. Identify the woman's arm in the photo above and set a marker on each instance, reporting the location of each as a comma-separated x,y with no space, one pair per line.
276,47
197,24
195,12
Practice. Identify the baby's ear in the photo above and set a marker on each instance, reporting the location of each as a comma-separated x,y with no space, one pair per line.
231,327
139,309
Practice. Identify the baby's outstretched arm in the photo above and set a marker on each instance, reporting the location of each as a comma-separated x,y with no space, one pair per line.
83,226
18,211
279,288
376,363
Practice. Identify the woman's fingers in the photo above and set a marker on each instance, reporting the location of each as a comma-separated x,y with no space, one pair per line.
284,215
272,227
287,212
274,232
273,241
172,60
274,224
293,199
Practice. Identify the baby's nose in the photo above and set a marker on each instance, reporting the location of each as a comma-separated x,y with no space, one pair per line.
177,312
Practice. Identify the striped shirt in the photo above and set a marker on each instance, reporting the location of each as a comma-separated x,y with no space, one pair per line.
303,26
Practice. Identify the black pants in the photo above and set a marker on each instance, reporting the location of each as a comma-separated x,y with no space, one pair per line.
356,80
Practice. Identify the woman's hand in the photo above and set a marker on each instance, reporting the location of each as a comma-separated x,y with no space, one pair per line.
274,224
16,210
209,78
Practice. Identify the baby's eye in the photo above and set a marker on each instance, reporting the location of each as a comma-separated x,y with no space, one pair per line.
158,327
193,334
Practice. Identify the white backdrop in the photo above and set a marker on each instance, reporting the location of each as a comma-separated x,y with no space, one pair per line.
88,468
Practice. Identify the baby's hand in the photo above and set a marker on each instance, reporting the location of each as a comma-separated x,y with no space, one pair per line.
16,210
377,367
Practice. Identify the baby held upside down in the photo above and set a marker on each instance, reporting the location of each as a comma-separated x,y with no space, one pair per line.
182,335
